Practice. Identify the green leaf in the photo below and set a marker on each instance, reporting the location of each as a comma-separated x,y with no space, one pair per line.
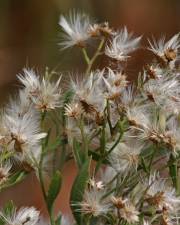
5,155
97,157
144,166
9,208
55,145
78,189
54,189
79,155
7,211
14,179
46,140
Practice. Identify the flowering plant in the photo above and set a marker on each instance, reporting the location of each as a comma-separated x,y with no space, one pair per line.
123,136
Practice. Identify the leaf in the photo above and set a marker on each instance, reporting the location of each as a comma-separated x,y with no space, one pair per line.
55,145
14,179
96,157
7,211
54,189
78,154
144,166
6,155
78,189
46,140
9,208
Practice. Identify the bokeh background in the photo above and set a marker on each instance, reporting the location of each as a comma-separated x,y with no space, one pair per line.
29,35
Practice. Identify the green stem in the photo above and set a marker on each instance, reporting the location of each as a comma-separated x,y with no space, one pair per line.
64,142
111,149
91,61
115,144
108,118
41,180
86,57
42,183
84,138
152,158
103,140
50,211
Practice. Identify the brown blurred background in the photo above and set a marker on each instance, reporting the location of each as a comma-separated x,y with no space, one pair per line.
29,35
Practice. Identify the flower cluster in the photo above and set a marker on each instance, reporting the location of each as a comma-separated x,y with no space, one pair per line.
124,136
133,129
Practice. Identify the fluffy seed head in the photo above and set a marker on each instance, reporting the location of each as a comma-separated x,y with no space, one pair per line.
24,216
121,45
76,29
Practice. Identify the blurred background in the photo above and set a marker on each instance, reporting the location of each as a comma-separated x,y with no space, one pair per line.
29,36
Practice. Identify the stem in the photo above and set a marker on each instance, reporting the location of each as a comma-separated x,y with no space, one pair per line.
108,118
115,144
86,57
64,142
43,115
91,61
84,139
42,183
151,159
50,211
94,135
111,149
103,140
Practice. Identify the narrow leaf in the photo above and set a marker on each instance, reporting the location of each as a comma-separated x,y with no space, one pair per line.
54,189
78,189
14,179
78,154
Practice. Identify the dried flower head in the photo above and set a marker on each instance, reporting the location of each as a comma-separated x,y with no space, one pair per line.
126,209
103,29
24,216
163,91
125,155
21,131
5,167
73,110
167,51
44,94
30,81
76,29
114,82
154,72
121,45
161,195
129,213
88,93
93,202
138,115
